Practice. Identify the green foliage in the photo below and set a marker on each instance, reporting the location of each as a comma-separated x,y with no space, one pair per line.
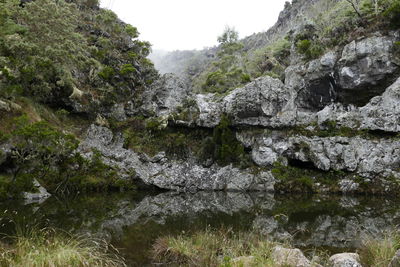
49,47
379,252
107,73
270,60
229,36
392,13
131,31
292,179
126,69
43,153
310,49
226,74
223,147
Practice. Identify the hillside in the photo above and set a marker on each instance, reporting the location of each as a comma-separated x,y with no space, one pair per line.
297,108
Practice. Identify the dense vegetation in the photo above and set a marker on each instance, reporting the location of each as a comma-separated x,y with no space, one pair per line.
61,64
50,50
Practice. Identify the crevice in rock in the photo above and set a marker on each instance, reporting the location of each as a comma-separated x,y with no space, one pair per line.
302,164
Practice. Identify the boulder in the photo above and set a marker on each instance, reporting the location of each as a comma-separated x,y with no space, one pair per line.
39,195
289,257
345,260
258,102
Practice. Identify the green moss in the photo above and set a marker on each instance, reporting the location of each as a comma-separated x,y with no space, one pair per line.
294,179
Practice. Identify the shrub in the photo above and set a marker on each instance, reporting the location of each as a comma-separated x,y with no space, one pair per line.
310,49
107,73
127,69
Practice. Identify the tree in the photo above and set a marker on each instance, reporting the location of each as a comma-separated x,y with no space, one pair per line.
229,36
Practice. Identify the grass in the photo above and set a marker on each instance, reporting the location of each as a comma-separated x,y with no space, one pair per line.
49,248
379,252
223,248
213,248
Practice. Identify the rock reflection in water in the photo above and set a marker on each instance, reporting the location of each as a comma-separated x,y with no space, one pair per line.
134,222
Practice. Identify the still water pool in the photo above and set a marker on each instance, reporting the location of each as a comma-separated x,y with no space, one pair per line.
133,221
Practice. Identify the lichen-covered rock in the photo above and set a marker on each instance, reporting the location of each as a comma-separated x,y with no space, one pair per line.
289,257
313,82
260,100
366,67
381,113
210,110
345,260
164,97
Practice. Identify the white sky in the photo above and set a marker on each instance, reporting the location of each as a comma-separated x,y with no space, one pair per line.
189,24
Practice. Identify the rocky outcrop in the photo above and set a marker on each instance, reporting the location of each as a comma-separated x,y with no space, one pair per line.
366,157
382,113
366,68
175,175
164,97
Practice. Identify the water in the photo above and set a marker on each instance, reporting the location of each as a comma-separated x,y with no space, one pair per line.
133,221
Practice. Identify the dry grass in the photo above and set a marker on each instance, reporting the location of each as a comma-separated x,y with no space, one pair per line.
214,248
46,248
379,252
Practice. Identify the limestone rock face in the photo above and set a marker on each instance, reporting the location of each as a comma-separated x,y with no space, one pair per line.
169,174
313,82
345,260
164,97
380,113
365,67
258,102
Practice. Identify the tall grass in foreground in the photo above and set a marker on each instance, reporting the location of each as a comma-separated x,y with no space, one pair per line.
379,252
214,248
48,248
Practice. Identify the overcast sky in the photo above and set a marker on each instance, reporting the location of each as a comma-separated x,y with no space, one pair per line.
189,24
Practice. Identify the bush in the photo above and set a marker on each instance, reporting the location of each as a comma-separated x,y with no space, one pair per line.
127,69
107,73
310,49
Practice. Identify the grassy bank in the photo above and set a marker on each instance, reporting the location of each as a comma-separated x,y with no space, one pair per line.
225,248
48,247
215,248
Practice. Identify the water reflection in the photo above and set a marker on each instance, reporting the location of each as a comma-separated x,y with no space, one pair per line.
133,222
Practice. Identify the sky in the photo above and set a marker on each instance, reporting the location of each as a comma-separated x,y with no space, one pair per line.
188,24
